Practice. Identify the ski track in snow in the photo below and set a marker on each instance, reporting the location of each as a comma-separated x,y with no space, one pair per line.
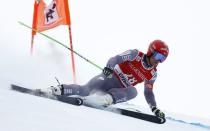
22,112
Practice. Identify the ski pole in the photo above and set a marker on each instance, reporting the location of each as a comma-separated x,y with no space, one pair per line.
61,45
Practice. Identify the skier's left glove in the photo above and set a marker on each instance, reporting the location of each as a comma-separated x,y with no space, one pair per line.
157,112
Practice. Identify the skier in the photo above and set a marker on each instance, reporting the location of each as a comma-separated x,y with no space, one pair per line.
119,77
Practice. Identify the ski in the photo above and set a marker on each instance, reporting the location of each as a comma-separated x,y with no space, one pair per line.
133,114
38,92
79,101
142,116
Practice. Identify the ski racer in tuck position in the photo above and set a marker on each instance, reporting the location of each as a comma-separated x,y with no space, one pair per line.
119,77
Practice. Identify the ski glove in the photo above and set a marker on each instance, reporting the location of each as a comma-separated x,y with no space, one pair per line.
157,112
108,71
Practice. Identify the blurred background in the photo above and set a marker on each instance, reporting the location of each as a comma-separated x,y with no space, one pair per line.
105,28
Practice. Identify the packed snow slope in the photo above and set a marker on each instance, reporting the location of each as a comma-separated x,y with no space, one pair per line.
23,112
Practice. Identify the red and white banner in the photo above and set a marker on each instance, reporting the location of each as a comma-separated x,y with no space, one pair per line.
47,17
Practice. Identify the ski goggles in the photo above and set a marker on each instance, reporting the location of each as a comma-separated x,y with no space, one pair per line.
159,57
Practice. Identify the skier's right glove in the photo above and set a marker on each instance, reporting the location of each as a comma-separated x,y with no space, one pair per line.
157,112
108,71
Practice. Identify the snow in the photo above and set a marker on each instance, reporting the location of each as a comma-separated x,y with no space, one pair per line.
23,112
